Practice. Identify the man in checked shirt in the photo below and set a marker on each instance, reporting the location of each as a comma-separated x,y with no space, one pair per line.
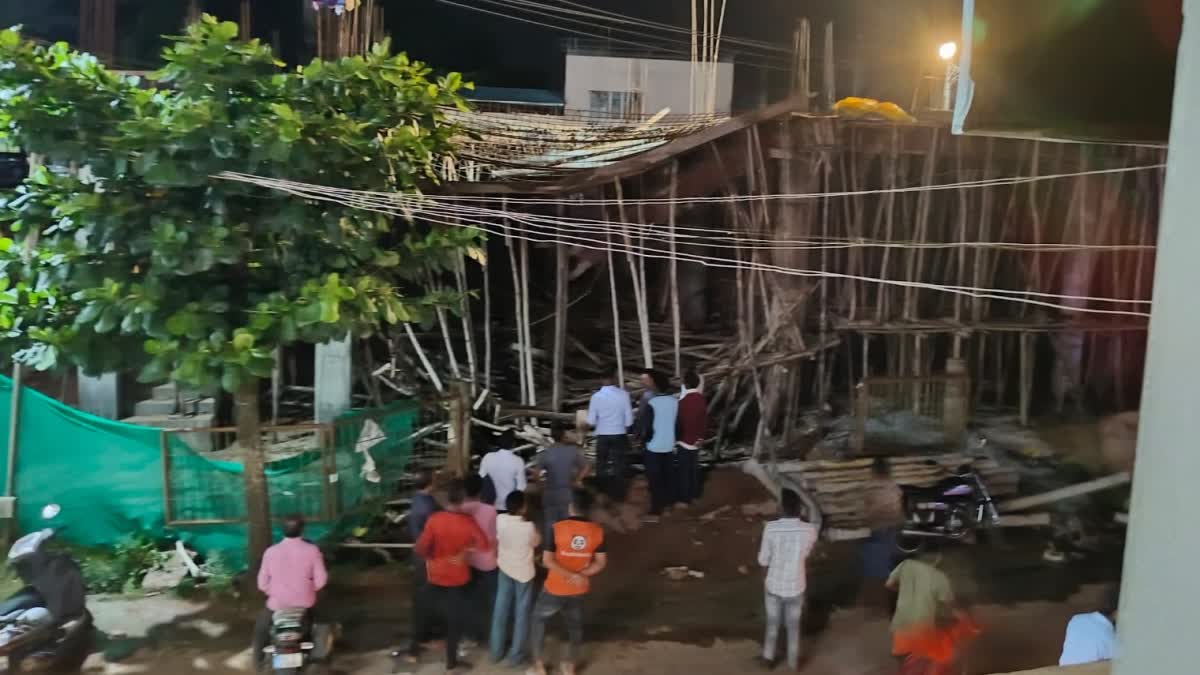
784,553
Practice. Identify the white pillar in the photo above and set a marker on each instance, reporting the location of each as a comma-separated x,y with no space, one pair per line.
1160,594
332,379
100,396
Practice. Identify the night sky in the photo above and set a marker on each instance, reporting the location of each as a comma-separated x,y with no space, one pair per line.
1061,63
894,36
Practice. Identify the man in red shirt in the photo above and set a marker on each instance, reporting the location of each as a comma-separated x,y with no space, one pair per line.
444,544
576,555
691,427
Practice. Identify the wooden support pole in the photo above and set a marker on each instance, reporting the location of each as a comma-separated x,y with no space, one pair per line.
529,374
468,327
560,323
829,68
639,279
616,312
675,320
1026,376
487,321
458,448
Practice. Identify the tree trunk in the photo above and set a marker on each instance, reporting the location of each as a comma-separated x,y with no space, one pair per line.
249,439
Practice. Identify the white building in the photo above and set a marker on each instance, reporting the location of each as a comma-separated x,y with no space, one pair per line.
613,83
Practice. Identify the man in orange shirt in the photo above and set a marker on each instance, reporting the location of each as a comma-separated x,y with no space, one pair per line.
577,554
444,544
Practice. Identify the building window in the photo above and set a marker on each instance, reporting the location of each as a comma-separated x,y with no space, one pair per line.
615,103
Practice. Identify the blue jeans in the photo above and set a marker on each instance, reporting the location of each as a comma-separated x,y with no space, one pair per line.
512,597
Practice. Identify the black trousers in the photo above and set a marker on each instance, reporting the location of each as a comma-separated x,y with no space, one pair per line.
687,475
482,592
611,452
658,475
454,602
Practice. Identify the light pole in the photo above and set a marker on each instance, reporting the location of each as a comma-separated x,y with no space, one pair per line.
946,52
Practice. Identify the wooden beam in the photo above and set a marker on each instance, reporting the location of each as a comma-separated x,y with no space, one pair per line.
1070,492
560,321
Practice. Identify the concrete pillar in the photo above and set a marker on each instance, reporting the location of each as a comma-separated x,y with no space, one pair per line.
332,379
100,396
1160,593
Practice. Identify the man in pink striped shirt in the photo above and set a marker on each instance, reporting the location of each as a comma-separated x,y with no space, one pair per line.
484,574
291,573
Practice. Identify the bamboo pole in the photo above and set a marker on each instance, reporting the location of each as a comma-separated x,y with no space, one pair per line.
829,67
639,288
487,322
616,312
433,376
518,314
244,25
444,326
1026,377
675,320
891,170
525,321
915,262
460,280
963,209
560,321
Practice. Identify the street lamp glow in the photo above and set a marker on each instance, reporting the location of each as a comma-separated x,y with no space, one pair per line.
947,51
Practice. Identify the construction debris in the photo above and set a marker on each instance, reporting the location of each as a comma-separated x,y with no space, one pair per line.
837,486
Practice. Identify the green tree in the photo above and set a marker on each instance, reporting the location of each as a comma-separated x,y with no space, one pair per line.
128,252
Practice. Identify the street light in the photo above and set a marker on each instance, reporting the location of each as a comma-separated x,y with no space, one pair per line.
946,52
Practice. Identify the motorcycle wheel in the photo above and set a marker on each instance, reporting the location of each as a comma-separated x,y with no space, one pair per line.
909,544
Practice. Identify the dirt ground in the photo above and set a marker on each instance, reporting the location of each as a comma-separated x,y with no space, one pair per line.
640,621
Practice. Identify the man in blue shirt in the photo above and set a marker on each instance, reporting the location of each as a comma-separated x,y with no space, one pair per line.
610,414
422,507
656,426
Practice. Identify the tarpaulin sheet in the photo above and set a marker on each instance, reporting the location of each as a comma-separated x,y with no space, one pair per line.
108,476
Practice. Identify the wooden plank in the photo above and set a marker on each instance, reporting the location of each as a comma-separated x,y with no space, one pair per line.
1108,482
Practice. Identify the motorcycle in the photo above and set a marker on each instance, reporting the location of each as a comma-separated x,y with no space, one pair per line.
45,626
953,508
297,643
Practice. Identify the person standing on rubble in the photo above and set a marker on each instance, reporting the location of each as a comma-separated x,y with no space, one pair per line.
656,428
692,426
610,414
564,468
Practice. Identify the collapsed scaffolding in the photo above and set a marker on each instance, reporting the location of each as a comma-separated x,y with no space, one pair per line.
789,258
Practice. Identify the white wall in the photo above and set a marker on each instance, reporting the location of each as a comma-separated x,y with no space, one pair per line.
662,83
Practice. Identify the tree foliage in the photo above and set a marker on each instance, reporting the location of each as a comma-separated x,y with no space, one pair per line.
128,252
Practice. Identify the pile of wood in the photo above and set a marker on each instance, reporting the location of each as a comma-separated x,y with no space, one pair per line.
838,486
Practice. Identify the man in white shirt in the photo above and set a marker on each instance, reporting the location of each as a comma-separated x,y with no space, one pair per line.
1092,637
784,553
504,467
610,414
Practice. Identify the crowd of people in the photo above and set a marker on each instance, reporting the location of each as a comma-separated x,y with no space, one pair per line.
476,560
477,553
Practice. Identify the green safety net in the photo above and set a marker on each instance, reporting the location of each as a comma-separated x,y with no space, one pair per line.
108,476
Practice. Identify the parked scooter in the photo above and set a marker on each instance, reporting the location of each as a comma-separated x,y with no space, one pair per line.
297,644
953,508
45,626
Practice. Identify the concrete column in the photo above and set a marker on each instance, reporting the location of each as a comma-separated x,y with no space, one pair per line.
100,396
1160,592
332,379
